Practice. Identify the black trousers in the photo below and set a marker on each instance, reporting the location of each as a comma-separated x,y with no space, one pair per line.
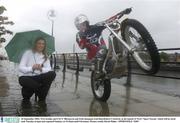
39,84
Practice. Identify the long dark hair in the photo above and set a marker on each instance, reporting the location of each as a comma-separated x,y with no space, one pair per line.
44,52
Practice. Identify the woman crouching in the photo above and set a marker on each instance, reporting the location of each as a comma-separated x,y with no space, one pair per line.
35,74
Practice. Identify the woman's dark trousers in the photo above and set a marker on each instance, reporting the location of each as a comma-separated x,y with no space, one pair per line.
39,84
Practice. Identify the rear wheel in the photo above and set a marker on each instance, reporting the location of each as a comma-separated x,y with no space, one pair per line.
144,48
101,88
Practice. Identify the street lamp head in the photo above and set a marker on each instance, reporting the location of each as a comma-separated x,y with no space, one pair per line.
51,14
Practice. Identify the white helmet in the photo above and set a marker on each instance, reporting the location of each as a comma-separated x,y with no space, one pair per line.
80,19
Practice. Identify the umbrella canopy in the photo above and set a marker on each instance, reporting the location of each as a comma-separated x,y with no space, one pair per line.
25,40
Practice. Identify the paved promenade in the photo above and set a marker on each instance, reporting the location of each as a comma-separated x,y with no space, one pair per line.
71,95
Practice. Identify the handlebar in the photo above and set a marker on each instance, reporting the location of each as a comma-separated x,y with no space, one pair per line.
117,16
127,11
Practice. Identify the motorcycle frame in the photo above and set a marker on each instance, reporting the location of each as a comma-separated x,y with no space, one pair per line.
112,50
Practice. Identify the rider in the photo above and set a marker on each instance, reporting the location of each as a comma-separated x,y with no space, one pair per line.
89,37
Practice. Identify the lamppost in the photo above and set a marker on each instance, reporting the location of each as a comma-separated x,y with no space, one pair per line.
51,16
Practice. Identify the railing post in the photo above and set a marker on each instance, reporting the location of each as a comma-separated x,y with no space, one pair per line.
51,58
77,58
128,81
54,55
64,59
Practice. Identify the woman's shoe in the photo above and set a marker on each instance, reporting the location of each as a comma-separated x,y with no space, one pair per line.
26,99
42,103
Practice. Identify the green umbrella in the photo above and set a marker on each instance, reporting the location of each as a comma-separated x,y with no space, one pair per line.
25,40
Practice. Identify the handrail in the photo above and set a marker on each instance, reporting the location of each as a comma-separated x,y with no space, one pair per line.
168,49
79,61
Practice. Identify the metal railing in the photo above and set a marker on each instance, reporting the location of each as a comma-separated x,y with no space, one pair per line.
69,60
77,60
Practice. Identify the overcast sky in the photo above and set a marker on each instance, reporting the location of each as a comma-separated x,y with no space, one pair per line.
160,17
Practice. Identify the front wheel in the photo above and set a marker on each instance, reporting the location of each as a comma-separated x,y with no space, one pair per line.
101,88
144,48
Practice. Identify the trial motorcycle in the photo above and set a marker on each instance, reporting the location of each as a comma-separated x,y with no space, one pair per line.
126,37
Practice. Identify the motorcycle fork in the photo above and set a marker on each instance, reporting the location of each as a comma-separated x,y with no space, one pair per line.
130,50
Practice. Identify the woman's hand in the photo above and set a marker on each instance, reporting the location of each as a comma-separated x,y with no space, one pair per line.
37,67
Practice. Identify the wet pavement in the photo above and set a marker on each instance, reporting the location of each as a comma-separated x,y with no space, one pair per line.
11,100
71,95
166,86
